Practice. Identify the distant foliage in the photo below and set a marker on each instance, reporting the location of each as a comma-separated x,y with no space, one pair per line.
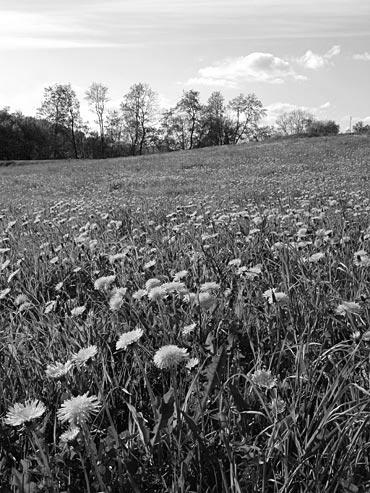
319,128
361,128
139,126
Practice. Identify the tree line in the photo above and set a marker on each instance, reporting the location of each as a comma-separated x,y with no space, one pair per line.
138,126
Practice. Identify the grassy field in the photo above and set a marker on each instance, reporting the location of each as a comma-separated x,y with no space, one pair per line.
187,322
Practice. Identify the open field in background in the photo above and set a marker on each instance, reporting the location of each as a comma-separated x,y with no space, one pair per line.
253,261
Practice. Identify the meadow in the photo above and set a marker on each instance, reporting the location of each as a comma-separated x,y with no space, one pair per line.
187,322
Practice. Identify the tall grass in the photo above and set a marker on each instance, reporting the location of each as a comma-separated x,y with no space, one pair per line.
274,393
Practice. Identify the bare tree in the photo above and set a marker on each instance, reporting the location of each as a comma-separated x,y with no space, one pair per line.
97,97
294,122
248,111
138,109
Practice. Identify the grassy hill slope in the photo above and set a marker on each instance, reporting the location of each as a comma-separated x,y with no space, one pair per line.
290,165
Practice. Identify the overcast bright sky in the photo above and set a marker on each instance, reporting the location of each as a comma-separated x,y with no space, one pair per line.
307,53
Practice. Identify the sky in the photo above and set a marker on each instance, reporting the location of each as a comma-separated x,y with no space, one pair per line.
312,54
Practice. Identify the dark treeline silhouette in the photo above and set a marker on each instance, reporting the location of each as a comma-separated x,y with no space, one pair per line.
138,126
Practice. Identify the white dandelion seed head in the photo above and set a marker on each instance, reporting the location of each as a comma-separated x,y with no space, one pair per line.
128,338
58,370
83,355
78,410
170,356
22,413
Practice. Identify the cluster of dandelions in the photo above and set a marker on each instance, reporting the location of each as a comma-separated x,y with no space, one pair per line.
58,369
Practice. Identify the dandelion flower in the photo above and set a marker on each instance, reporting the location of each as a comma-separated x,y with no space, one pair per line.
58,370
116,300
70,435
128,338
209,286
152,283
188,329
139,294
316,257
192,363
180,275
348,307
25,306
21,413
174,286
361,259
274,296
78,410
206,300
263,378
4,293
20,299
156,293
83,355
78,311
170,356
103,283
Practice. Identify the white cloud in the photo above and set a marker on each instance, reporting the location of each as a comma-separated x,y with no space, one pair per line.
314,61
260,67
365,57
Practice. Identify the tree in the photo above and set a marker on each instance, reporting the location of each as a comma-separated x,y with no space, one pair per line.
190,105
247,111
139,109
361,128
174,129
97,97
214,120
114,126
294,122
318,128
55,108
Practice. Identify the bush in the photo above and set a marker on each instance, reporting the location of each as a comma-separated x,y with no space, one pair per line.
318,128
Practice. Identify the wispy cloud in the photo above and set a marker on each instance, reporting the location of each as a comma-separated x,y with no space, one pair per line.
258,67
13,43
314,61
26,30
364,57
